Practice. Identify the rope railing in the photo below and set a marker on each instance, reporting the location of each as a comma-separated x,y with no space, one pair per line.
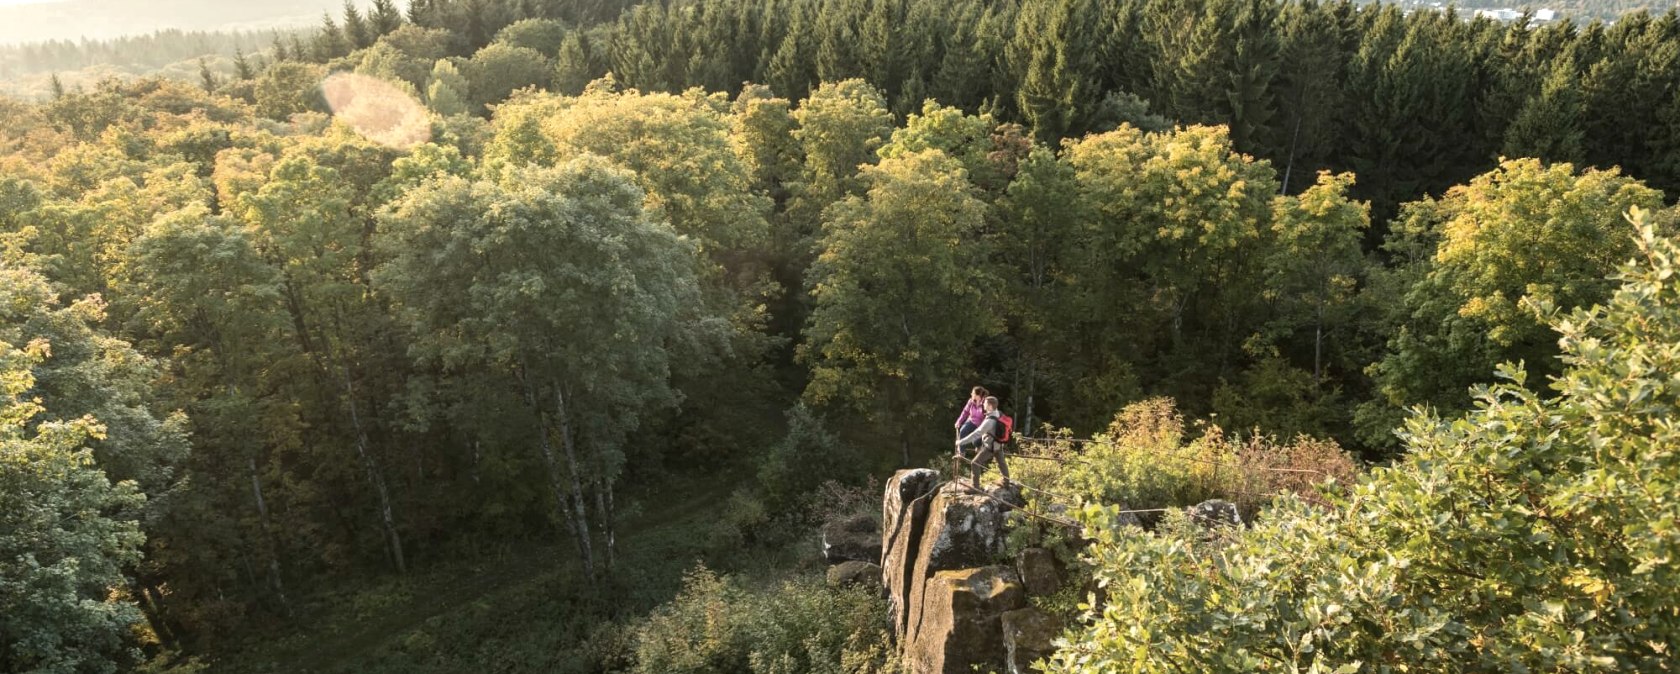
1068,523
1192,459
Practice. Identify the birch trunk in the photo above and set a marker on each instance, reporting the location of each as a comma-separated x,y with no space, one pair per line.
378,479
579,509
555,482
268,533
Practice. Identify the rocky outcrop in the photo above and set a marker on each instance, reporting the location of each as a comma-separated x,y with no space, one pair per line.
854,573
852,539
962,530
940,542
957,605
961,620
903,520
1028,635
1010,495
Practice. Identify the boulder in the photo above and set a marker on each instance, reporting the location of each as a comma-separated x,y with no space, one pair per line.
854,573
940,543
1028,635
1215,512
855,538
964,529
961,620
1010,495
1038,571
903,519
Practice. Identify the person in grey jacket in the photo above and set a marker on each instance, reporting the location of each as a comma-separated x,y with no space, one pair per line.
985,438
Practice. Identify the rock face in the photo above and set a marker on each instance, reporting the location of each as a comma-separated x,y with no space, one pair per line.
854,573
852,539
939,542
1039,574
961,620
903,519
1028,634
1010,493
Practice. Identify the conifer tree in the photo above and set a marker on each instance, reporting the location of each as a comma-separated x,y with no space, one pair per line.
280,51
574,65
384,18
1053,57
206,77
1549,126
242,65
330,43
446,89
356,30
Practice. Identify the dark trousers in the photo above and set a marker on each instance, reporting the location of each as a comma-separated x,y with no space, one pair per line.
989,450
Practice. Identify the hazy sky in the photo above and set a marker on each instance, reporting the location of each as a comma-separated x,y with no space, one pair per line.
37,20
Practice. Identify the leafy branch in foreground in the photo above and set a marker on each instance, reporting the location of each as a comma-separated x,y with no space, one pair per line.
1531,534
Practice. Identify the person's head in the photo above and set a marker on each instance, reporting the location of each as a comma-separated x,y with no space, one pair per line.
979,393
991,404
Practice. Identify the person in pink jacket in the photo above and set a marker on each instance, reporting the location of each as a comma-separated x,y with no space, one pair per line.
972,413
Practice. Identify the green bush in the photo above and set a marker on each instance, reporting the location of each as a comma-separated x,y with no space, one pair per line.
1532,534
720,625
1147,460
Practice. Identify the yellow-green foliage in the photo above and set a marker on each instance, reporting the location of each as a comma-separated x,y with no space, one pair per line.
1150,459
719,624
1531,534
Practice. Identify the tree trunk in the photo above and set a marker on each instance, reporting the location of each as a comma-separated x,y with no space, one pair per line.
604,513
294,306
1032,381
1289,165
1318,350
274,579
562,505
612,527
579,509
474,469
376,477
153,611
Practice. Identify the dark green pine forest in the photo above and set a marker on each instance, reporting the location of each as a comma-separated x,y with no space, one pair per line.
527,335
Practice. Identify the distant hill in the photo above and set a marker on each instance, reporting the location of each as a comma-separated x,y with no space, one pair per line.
1579,10
105,19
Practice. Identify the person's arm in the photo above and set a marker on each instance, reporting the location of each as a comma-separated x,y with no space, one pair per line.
967,411
981,431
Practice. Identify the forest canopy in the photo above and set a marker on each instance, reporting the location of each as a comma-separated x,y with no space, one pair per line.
253,344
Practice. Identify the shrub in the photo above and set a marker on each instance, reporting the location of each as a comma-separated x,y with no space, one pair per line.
1146,460
1290,594
1530,534
719,625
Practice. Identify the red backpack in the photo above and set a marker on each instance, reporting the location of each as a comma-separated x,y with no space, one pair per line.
1008,428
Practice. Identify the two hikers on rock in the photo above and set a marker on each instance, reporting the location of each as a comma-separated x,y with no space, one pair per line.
983,428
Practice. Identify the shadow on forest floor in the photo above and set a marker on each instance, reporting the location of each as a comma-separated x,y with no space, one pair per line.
526,611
